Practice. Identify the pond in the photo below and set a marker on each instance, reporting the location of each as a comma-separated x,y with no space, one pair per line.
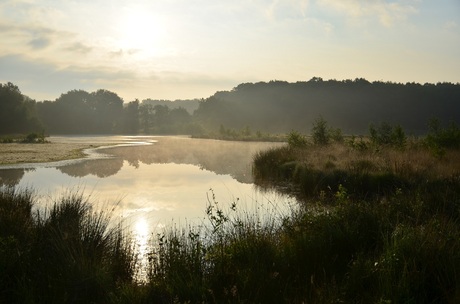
152,182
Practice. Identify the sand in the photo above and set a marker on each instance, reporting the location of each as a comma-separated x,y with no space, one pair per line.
15,153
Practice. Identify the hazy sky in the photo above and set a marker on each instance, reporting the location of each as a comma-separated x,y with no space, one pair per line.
172,49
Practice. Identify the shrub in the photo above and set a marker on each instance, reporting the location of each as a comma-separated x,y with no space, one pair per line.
296,140
320,133
34,138
439,137
360,145
323,134
388,135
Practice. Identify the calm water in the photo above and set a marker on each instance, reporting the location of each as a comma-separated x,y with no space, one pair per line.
152,182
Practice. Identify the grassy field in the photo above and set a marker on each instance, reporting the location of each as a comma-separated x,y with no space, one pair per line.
376,223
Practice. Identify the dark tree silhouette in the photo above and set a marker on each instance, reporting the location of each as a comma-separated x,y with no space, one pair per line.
17,112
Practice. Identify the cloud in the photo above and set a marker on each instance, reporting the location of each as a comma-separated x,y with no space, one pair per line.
451,25
21,38
39,43
78,47
44,80
387,13
286,9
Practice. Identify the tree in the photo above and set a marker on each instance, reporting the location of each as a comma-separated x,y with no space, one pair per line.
131,117
17,112
146,117
161,118
439,137
296,140
107,111
388,135
74,113
320,132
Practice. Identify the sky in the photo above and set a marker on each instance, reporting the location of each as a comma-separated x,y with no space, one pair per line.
184,49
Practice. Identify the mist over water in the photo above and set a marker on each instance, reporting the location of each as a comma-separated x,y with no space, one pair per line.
149,182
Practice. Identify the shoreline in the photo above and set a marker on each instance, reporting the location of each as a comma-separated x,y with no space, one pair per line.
19,153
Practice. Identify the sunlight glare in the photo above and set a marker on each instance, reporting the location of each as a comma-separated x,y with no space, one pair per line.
142,230
140,32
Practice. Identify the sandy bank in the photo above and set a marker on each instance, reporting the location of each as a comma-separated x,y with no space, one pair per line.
16,153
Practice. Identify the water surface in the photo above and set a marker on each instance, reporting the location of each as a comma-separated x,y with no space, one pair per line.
150,181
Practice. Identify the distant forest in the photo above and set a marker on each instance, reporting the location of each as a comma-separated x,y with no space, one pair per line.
269,107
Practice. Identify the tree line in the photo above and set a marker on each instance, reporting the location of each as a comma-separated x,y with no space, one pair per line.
270,107
352,105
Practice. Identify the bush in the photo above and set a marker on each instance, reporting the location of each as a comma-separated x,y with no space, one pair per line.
439,137
296,140
387,135
320,133
32,138
323,134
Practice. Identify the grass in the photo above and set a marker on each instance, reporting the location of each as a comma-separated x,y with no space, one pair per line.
67,255
321,169
30,138
375,225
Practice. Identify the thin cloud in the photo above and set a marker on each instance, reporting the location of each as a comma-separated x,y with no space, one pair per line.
39,43
20,37
387,13
78,47
286,9
45,80
451,25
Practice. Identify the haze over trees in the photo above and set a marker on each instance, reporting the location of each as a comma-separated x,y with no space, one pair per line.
352,105
17,112
269,107
81,112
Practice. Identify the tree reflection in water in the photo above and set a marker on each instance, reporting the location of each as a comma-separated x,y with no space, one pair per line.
151,186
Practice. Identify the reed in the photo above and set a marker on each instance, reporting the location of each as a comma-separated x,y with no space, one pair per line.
69,254
373,227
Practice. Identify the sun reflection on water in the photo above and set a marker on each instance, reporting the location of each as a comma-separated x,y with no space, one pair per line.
142,238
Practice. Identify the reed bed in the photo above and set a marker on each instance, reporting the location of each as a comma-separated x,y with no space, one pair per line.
372,226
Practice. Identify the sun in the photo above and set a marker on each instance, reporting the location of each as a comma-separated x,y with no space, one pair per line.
139,32
141,228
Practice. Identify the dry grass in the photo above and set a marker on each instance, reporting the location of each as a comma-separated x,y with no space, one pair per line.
408,162
15,153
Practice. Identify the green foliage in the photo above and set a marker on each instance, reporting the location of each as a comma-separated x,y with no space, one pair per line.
280,106
6,140
336,135
130,121
323,134
17,112
68,254
387,135
296,140
359,145
352,251
439,138
257,105
244,134
177,267
400,246
33,138
320,132
267,163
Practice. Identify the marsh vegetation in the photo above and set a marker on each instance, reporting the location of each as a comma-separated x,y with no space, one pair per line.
377,222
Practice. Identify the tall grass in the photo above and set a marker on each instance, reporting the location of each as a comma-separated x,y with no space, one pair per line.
68,255
374,227
314,170
399,249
